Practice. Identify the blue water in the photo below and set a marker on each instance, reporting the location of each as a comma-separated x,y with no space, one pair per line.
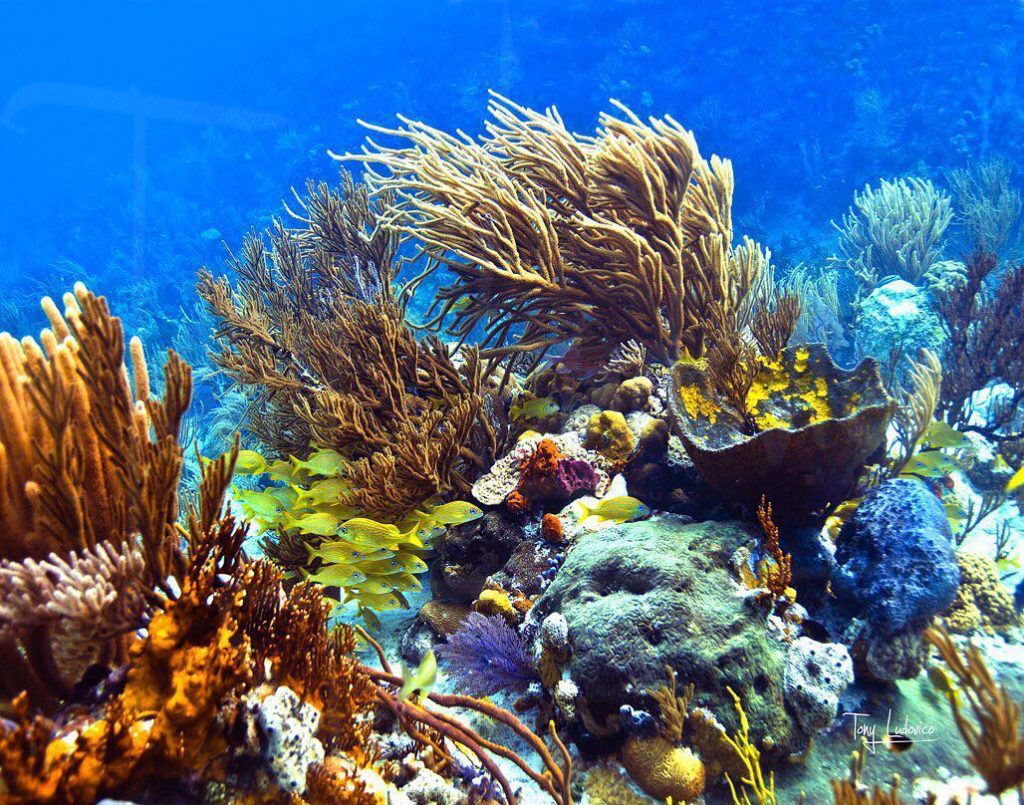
135,137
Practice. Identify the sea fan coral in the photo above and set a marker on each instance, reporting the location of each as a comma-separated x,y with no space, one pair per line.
315,326
485,655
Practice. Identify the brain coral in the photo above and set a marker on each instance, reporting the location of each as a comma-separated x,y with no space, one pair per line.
982,601
662,769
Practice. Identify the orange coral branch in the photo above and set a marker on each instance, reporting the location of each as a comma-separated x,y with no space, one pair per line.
776,574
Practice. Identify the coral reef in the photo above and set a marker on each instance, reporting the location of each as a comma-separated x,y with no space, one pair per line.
693,538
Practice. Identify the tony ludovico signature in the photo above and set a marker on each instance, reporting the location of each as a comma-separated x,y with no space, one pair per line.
896,737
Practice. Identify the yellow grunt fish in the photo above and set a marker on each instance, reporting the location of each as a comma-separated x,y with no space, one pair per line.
455,513
345,552
422,679
250,463
620,509
335,576
323,462
320,524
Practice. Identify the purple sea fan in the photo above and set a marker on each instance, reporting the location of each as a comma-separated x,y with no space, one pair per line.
485,656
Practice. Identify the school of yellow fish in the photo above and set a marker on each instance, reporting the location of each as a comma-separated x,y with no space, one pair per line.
371,563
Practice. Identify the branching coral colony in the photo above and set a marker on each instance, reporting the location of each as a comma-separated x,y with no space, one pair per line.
161,662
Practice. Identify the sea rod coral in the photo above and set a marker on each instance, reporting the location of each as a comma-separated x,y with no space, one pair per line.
555,237
315,325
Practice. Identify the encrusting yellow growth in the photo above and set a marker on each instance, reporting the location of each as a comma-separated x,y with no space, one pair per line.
809,393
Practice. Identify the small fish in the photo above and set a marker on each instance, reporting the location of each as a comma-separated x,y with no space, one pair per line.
461,304
335,576
377,585
323,462
261,505
284,495
619,509
405,583
930,464
897,742
250,463
347,552
370,619
376,602
422,680
456,513
281,471
535,409
940,434
942,682
320,524
381,566
326,490
1016,482
363,527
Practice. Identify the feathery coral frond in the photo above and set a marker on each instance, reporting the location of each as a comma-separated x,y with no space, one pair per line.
626,235
995,746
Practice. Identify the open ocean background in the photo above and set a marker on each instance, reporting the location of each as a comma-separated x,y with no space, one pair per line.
136,138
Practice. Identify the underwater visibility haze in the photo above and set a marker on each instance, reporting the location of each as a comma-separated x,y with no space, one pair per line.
467,402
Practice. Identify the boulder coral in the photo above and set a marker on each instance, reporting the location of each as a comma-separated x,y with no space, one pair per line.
609,435
646,595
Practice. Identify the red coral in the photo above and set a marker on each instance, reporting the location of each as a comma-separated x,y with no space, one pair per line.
543,462
516,502
551,528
